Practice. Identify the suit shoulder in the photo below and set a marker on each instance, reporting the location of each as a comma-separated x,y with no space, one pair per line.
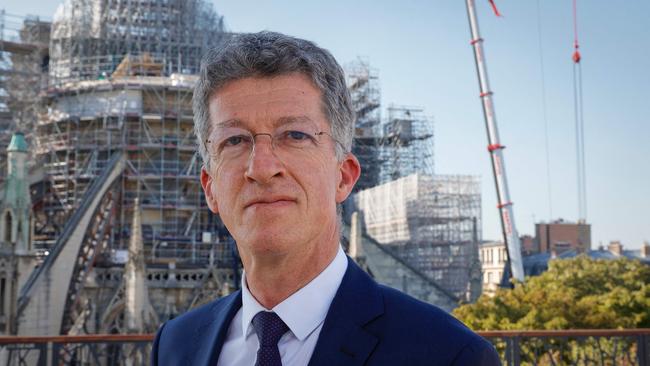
176,340
477,352
429,322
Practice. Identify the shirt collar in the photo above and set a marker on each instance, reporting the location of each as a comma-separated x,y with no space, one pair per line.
316,296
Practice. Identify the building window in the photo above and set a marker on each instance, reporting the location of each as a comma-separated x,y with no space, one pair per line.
3,284
489,277
29,234
8,227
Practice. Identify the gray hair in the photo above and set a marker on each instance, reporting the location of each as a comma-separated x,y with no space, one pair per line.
268,54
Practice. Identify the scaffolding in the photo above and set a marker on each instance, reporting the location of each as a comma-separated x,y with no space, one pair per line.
433,222
120,81
393,148
90,38
407,143
23,73
363,84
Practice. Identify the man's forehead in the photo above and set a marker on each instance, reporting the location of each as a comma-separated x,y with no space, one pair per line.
294,82
279,100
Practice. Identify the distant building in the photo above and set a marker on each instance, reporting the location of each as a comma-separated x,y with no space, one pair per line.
493,257
538,263
562,236
528,245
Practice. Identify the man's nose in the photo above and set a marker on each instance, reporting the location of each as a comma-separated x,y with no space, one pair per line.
263,163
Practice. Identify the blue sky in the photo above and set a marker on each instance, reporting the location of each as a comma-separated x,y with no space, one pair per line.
422,51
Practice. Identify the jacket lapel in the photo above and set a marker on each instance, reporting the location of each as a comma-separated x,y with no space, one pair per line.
210,338
343,339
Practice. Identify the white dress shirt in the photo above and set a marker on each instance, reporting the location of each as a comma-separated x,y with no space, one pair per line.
303,312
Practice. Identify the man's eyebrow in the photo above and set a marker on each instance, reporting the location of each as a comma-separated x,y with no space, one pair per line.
235,122
230,123
292,119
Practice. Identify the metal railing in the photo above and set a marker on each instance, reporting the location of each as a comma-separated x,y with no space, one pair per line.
572,347
561,347
98,349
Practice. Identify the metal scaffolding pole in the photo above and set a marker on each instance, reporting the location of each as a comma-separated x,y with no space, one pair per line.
510,235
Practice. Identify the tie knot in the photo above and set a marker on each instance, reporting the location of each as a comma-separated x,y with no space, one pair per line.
269,328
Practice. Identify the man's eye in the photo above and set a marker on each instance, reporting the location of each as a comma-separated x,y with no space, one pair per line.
297,135
234,140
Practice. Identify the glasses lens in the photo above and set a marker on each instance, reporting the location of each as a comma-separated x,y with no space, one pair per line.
230,143
295,137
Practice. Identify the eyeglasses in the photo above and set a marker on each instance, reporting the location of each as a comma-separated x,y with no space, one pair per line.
232,144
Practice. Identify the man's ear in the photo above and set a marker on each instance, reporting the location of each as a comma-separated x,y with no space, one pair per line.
350,170
206,183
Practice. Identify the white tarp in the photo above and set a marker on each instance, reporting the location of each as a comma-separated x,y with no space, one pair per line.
100,103
421,208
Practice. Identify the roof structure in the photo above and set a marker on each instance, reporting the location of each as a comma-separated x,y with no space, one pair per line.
17,143
537,263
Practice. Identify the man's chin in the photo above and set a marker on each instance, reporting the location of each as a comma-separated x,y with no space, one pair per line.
269,249
276,239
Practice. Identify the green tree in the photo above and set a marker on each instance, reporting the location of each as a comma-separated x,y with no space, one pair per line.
578,293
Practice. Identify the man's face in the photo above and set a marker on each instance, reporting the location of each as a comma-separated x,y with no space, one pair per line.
274,200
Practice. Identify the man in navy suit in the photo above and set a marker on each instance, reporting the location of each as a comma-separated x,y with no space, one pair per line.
275,123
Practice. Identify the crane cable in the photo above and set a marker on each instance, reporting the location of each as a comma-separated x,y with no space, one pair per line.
544,112
579,120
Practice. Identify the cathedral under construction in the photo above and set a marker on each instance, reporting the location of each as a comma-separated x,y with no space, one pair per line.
103,224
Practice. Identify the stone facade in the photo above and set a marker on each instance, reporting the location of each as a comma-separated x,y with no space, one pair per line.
494,257
17,259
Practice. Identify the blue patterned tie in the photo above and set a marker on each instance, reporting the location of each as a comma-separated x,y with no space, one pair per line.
269,328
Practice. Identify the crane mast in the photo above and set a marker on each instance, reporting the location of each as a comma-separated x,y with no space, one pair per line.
495,148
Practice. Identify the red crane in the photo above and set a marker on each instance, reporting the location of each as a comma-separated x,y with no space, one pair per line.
495,148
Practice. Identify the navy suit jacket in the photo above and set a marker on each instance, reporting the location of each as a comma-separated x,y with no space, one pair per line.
367,324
